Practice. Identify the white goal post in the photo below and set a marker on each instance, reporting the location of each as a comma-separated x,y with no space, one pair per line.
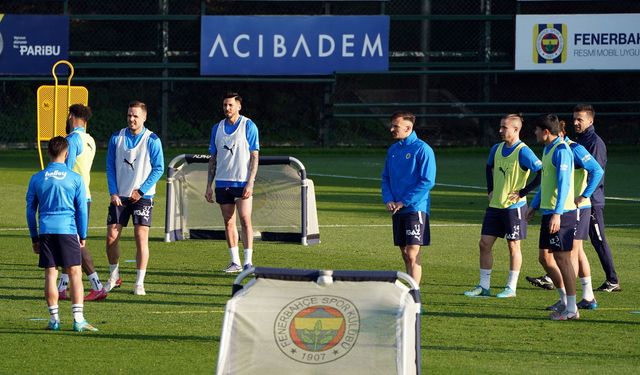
284,203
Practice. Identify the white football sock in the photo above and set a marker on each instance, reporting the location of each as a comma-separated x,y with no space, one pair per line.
563,295
571,304
248,253
63,283
235,255
78,312
54,314
587,288
95,281
114,271
140,276
512,282
485,278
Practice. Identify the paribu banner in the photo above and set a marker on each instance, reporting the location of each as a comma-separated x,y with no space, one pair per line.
578,42
293,45
32,44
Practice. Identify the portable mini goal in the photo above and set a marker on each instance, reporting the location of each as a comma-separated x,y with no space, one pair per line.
284,204
287,321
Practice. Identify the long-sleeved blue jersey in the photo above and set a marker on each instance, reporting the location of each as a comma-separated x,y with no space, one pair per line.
156,157
583,159
59,197
409,174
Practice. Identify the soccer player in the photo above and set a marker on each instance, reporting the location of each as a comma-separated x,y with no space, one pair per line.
135,163
587,176
409,175
58,196
82,149
556,198
508,168
234,149
583,115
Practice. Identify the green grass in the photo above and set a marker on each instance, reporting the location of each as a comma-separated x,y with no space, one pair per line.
176,327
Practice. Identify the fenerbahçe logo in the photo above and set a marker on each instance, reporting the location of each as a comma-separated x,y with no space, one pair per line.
549,43
317,329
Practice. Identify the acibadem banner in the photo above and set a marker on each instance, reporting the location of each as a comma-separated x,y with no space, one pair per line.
293,45
31,44
578,42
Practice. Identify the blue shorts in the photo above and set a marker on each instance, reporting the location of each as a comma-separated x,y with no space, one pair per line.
411,228
503,222
59,250
582,224
141,211
228,195
561,240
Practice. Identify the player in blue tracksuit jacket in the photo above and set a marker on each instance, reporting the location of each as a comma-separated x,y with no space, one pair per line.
583,117
58,196
409,175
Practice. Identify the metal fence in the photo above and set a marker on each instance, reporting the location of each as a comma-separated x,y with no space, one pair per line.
451,62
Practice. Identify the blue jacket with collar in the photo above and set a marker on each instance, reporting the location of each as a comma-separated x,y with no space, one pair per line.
409,174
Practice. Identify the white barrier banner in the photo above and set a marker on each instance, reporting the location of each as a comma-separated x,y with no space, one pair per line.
578,42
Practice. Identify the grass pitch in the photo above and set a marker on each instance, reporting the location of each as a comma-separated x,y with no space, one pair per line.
176,327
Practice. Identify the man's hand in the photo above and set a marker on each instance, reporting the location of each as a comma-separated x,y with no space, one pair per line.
554,224
248,190
115,200
579,200
83,243
513,197
394,207
490,196
36,247
135,196
208,195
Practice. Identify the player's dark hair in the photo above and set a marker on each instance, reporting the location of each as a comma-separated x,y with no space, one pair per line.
405,115
81,111
57,145
233,95
138,104
563,126
549,122
582,107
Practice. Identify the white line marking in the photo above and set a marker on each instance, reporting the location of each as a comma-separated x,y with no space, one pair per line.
188,312
446,185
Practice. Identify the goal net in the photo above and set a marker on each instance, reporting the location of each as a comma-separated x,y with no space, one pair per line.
284,204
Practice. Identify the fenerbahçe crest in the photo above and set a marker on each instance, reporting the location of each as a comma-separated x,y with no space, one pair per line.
317,329
549,43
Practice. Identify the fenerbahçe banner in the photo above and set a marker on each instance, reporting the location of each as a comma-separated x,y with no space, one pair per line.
31,44
293,45
578,42
276,327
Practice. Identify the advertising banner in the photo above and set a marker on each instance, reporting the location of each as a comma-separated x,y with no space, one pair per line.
293,45
32,44
578,42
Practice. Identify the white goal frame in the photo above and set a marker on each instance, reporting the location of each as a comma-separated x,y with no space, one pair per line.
176,220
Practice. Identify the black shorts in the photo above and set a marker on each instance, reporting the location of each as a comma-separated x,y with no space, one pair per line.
561,240
411,229
59,250
503,222
141,211
582,224
228,195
